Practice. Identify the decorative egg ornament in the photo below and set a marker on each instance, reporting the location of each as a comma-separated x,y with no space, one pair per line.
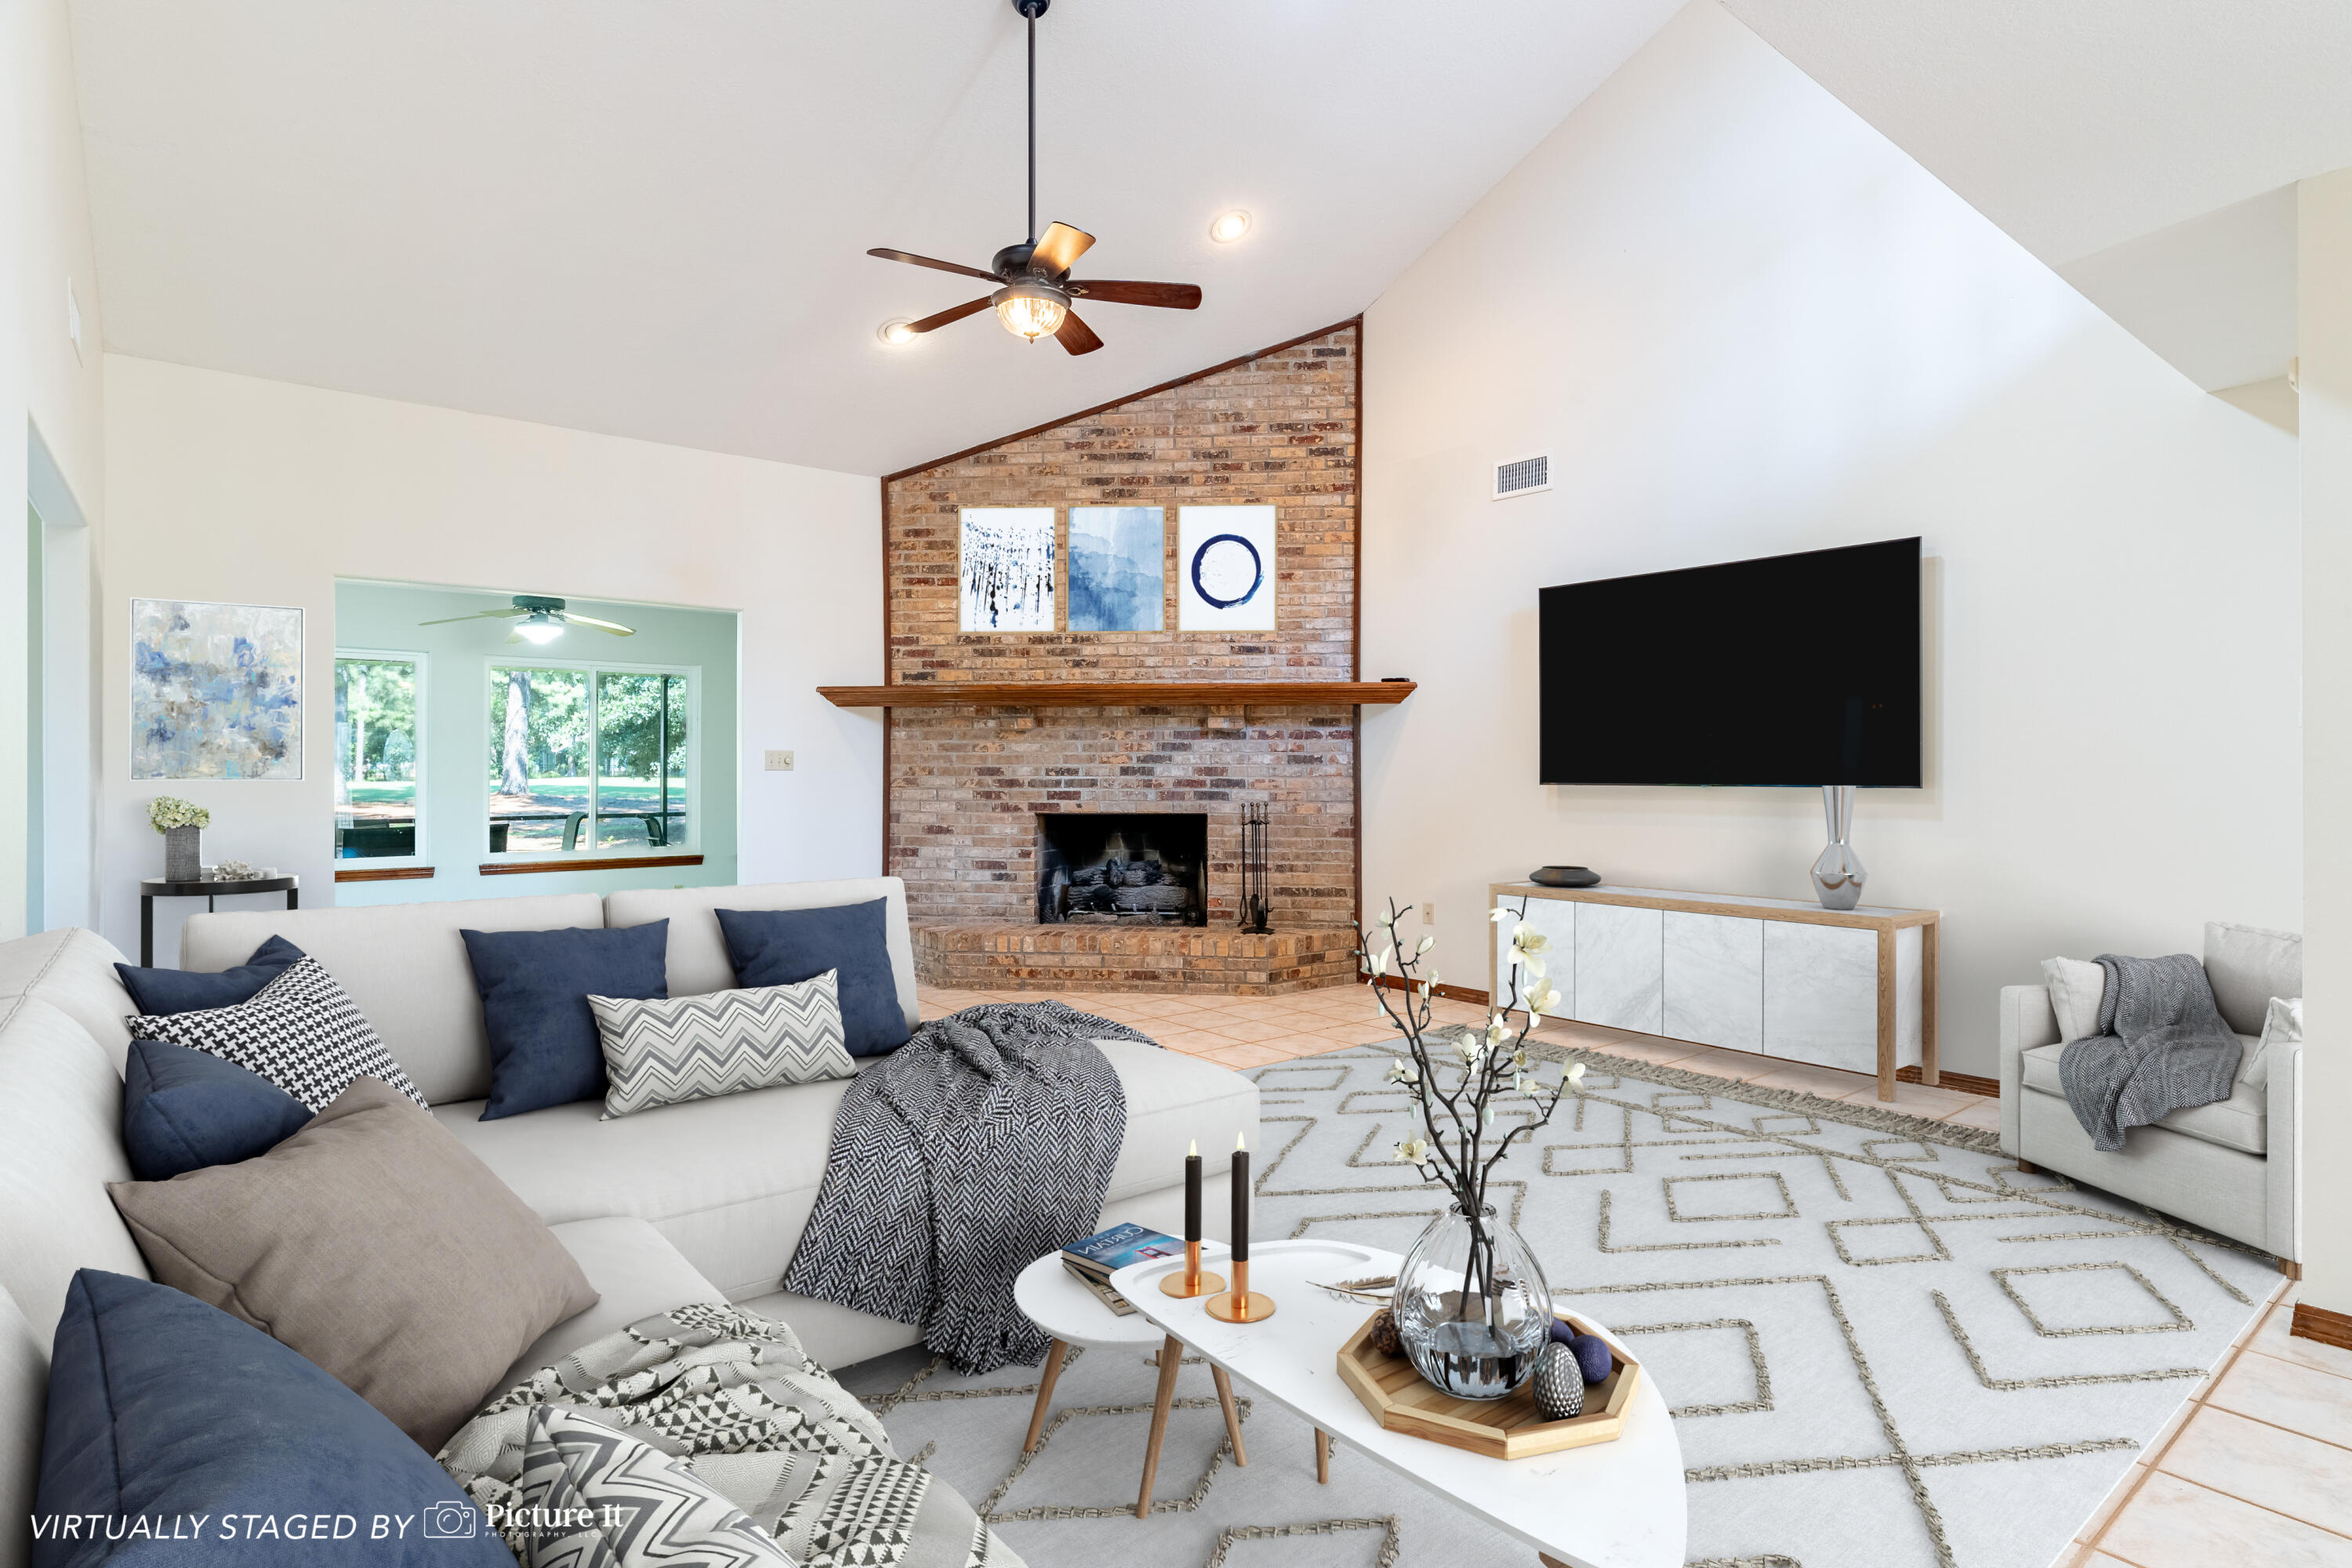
1559,1383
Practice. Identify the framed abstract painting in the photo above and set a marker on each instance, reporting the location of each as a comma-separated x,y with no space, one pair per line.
1224,569
1006,569
1118,580
215,690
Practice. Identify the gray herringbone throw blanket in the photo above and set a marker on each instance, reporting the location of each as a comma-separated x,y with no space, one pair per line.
734,1398
982,1144
2162,1047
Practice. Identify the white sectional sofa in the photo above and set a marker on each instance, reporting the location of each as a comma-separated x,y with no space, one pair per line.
697,1201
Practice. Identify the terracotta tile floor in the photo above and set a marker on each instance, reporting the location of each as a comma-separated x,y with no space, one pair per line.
1251,1031
2257,1467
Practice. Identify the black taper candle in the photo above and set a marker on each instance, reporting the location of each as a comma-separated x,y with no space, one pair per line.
1192,1194
1241,1201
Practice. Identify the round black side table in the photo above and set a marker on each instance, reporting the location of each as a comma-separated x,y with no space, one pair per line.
154,888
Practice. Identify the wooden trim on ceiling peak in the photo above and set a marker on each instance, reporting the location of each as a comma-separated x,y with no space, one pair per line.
1356,320
614,863
384,874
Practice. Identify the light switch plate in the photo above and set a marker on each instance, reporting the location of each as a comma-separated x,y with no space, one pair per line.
780,761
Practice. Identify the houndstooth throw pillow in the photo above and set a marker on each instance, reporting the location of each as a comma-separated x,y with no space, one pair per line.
300,1032
666,1050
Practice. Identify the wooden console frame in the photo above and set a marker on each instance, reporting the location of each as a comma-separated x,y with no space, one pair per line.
1885,922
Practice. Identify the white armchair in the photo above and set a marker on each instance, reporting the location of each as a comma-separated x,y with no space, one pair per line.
2233,1166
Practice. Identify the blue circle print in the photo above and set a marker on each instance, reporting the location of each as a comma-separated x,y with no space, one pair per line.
1257,570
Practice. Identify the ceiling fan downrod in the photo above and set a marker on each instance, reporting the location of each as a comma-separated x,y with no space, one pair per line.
1032,10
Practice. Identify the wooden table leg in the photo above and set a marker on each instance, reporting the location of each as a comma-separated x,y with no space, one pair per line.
1886,992
1172,1356
1322,1456
1233,1416
1044,1394
1548,1560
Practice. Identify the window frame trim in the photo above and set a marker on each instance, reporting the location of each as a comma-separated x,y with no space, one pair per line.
556,859
421,661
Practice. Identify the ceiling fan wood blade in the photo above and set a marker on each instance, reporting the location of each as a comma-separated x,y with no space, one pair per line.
1059,247
1169,296
1076,335
951,315
477,615
937,265
615,627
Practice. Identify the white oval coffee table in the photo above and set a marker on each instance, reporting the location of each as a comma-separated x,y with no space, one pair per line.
1072,1315
1608,1505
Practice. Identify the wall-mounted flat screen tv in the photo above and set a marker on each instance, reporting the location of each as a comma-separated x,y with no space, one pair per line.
1793,670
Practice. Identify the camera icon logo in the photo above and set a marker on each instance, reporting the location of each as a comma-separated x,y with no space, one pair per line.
452,1521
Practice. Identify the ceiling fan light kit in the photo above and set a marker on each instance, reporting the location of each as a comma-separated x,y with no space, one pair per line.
1035,290
537,619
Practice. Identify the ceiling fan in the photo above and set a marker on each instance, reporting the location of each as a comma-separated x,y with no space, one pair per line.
541,620
1036,285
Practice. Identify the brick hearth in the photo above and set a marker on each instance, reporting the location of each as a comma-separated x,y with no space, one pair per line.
980,955
967,784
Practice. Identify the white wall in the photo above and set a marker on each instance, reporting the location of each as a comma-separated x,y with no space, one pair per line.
45,239
226,488
1744,323
2325,348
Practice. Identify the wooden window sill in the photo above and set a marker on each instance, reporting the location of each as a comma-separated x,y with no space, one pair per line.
383,874
613,863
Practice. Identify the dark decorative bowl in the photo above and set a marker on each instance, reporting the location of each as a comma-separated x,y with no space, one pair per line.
1564,876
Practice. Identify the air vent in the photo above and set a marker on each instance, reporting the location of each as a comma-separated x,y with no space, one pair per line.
1523,475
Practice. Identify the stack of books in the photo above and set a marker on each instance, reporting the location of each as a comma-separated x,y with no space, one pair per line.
1092,1262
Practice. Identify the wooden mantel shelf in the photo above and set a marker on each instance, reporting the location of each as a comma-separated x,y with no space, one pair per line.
1122,694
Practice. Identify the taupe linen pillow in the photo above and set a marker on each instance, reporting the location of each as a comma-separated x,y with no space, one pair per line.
377,1246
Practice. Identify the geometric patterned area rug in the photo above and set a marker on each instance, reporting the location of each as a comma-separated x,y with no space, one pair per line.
1883,1346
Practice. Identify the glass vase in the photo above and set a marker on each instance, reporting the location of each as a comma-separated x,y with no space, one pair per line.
1471,1306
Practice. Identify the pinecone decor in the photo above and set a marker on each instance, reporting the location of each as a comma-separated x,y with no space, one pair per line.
1559,1383
1384,1334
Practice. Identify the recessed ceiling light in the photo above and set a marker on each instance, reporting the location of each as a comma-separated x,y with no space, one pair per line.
1230,227
898,331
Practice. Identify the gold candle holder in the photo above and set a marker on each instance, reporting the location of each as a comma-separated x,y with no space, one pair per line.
1240,1304
1192,1282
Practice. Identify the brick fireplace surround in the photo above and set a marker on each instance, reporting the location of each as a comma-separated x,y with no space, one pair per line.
967,784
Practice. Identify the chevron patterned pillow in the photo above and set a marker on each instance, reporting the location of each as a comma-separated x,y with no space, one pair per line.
301,1032
667,1050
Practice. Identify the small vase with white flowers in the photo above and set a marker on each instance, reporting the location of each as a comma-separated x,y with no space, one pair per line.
1473,1310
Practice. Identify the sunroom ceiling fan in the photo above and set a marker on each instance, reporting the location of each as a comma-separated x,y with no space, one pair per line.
1036,287
540,620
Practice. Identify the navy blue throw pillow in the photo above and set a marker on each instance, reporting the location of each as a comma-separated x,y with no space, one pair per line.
184,1109
785,947
535,986
177,1435
162,991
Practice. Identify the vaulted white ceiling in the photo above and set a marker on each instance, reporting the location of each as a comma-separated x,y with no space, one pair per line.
2139,147
650,218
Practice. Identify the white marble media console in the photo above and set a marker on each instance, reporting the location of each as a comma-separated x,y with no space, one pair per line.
1838,988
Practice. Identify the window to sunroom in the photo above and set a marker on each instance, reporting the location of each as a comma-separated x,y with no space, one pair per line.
379,756
587,758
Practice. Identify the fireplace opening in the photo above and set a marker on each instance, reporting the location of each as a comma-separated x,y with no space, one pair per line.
1122,868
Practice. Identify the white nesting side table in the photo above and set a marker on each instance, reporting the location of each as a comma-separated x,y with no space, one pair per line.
1072,1315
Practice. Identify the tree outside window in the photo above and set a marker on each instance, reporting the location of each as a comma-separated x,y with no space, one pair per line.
586,758
377,745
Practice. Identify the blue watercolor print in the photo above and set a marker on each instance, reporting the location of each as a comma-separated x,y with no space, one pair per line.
1117,568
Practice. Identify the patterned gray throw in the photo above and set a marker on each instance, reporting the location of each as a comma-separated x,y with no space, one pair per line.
734,1398
986,1141
2161,1047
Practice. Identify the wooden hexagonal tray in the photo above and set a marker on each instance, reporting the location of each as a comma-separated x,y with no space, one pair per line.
1505,1428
